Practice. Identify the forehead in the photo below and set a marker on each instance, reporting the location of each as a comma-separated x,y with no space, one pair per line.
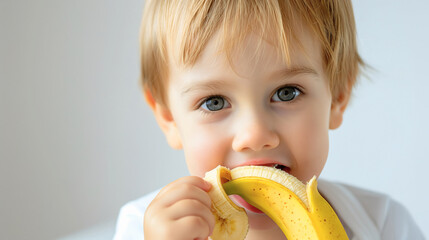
254,60
304,50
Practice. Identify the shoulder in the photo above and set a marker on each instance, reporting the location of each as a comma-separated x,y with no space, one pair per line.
130,220
369,214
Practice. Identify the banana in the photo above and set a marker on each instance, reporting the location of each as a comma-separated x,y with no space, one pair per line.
231,220
299,210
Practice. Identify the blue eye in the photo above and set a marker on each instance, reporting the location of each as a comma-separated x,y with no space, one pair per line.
286,94
215,103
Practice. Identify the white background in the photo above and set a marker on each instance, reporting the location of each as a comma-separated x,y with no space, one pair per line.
77,140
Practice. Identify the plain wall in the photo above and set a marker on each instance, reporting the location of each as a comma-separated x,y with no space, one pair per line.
77,140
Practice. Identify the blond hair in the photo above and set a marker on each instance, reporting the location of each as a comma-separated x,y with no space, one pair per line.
187,25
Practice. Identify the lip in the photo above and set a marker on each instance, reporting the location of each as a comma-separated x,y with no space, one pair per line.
241,202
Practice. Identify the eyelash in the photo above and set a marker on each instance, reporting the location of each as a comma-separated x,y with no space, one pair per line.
207,112
204,100
294,87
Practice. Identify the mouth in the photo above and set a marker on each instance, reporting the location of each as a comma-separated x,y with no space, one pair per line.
273,165
282,167
242,203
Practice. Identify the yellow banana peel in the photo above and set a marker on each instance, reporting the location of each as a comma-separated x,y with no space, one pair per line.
299,210
230,220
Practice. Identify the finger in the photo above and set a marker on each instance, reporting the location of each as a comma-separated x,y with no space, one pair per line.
189,180
191,207
181,192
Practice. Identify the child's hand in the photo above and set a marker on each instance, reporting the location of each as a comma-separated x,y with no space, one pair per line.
181,210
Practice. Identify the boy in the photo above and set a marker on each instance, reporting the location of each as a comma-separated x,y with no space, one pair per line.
251,82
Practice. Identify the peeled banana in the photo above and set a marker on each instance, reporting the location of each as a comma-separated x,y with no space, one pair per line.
231,220
299,210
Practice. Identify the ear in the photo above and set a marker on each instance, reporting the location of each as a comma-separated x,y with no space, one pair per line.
165,121
338,106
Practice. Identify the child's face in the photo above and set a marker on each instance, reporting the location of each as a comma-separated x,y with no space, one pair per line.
258,112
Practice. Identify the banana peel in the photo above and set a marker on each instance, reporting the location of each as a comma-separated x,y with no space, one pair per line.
231,221
299,210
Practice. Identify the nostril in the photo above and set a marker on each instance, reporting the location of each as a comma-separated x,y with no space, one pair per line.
267,146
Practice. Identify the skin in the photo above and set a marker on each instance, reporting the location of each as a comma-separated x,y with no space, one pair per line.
253,127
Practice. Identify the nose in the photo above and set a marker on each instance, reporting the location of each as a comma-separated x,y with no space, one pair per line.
255,133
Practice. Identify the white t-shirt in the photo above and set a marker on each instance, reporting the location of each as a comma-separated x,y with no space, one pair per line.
365,215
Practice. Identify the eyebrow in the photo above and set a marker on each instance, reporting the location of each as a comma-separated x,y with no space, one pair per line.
293,71
214,85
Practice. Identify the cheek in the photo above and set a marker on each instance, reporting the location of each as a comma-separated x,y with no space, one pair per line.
315,148
309,144
204,150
